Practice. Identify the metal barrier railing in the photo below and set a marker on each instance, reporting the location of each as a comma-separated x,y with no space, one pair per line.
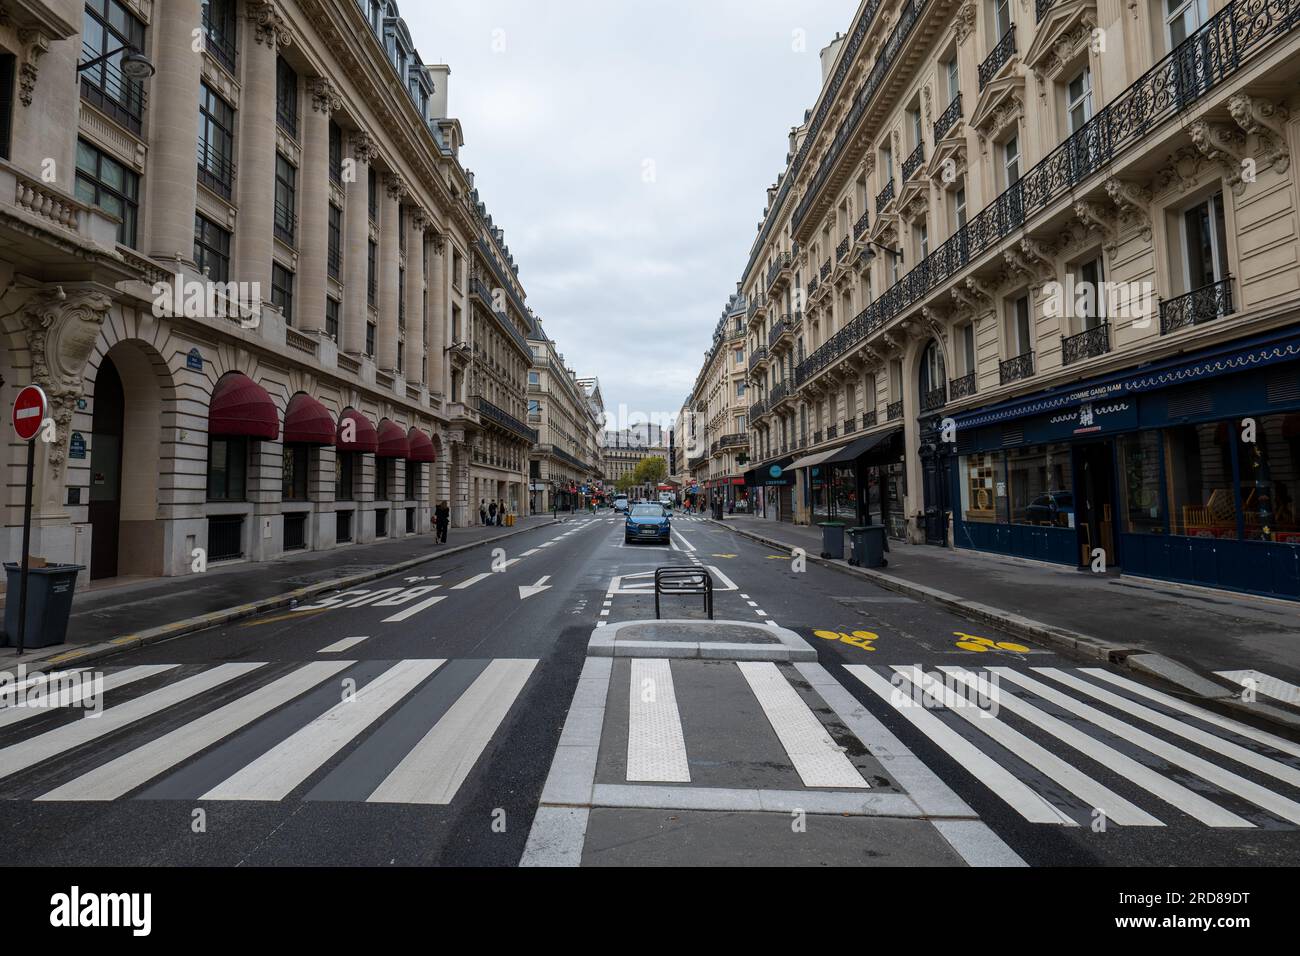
684,580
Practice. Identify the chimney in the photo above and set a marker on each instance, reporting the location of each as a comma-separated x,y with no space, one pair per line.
438,101
828,55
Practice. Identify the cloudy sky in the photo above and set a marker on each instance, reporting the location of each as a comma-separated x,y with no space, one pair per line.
626,149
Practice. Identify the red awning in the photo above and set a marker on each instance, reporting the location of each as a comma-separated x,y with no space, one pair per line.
363,433
241,407
421,446
392,440
308,422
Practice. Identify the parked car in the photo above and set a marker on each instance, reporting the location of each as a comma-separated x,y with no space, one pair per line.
1053,508
647,522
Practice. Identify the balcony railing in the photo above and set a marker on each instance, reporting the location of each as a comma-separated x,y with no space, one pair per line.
774,270
758,355
963,387
734,440
894,411
947,118
1216,51
1013,369
849,425
1041,7
826,270
479,288
913,161
860,227
813,286
869,419
1205,304
778,329
778,394
216,171
1087,344
817,437
885,196
935,398
285,223
1002,52
842,249
506,420
758,409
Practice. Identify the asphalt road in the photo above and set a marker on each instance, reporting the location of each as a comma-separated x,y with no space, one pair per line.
414,721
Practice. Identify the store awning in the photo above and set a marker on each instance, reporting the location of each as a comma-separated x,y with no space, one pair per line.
392,441
856,449
421,446
308,422
808,461
241,408
355,425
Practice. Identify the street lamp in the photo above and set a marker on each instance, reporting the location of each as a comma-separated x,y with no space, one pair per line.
135,65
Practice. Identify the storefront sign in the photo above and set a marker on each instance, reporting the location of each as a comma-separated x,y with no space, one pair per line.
1087,419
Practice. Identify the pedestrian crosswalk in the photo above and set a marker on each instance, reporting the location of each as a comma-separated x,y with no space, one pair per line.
1069,746
407,731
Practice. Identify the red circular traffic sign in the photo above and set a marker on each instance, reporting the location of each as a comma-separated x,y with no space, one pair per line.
29,412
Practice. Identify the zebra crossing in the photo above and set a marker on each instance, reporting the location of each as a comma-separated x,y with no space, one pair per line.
397,732
1065,746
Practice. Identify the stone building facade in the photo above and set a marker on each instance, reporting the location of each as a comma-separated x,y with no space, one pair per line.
268,306
565,463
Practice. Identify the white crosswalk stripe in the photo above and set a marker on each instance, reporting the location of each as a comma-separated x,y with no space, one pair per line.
1006,727
273,729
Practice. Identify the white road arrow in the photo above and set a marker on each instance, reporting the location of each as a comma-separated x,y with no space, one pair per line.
528,590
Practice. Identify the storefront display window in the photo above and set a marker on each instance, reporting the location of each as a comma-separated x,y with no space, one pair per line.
1040,489
1199,474
1269,471
1140,475
981,474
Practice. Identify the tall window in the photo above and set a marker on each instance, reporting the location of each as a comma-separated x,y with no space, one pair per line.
104,182
294,472
282,291
1001,18
1091,305
1078,100
227,469
219,29
336,153
1011,161
1205,243
286,186
372,193
968,347
954,79
216,144
108,26
932,371
1021,332
1183,18
344,468
211,249
286,97
959,206
372,272
370,340
332,318
8,64
334,256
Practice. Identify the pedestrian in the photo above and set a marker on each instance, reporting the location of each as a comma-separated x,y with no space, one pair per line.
491,514
501,512
482,511
441,519
731,506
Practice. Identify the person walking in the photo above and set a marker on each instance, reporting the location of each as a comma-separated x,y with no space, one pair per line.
492,513
441,519
501,512
482,511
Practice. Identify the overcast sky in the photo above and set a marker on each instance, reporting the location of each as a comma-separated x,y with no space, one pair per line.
626,148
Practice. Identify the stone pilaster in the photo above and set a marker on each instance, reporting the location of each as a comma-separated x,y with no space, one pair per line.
438,320
389,273
314,190
415,285
356,229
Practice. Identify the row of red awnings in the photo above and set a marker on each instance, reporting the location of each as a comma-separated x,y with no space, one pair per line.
241,407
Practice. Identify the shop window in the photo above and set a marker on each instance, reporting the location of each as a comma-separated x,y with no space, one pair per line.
294,472
1269,470
1040,486
413,480
981,487
383,478
1199,465
227,469
1139,457
344,470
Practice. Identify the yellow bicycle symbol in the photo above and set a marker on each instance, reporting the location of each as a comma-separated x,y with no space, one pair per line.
970,642
859,639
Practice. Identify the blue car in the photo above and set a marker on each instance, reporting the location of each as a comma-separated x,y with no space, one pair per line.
647,523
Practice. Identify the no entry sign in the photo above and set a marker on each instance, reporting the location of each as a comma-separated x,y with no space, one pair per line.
29,412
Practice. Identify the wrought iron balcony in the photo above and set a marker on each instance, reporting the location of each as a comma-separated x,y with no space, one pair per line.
885,196
832,431
1041,7
826,270
913,161
1087,344
848,425
963,387
842,249
1013,369
507,421
947,118
779,328
894,411
734,440
934,398
869,419
860,227
1003,51
782,261
817,437
1230,38
758,409
813,286
753,307
780,392
1205,304
758,355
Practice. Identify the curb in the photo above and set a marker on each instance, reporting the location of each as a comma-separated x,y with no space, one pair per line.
202,622
1136,659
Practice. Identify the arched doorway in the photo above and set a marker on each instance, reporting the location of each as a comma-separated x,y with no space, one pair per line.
105,509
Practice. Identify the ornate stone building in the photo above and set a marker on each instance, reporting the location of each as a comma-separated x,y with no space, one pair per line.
721,404
243,259
1028,283
564,465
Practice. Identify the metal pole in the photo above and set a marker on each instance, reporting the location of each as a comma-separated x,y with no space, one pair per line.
27,542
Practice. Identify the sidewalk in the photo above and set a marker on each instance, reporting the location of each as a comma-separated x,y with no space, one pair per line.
1204,629
172,606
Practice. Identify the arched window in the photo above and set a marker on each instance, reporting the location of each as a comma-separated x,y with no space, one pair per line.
932,371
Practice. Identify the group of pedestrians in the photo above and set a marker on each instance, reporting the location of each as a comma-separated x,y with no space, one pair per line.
491,512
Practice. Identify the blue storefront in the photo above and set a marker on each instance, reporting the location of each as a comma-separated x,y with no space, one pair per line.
1186,469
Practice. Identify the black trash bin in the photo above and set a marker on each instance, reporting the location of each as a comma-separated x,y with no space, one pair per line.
868,546
49,603
832,539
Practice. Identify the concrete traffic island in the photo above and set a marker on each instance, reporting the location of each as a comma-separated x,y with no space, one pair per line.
707,640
